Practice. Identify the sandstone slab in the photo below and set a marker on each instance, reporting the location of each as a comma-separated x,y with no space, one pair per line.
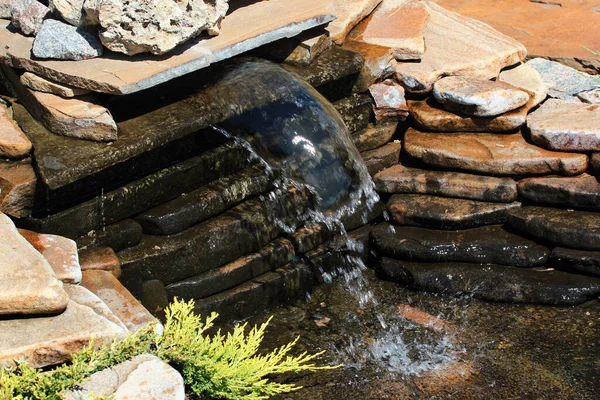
478,97
379,63
486,245
578,192
37,83
566,126
383,157
445,213
47,341
84,297
13,142
576,261
59,41
458,45
100,258
574,229
402,179
17,187
374,136
27,282
152,380
389,101
430,116
490,154
493,282
525,77
308,50
60,252
563,82
348,14
28,15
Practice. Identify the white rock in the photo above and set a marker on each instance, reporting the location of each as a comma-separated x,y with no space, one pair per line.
152,380
526,78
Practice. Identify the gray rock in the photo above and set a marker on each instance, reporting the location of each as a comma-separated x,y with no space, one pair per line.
563,82
28,15
60,41
590,96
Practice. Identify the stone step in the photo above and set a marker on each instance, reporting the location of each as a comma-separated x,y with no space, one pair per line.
100,258
355,111
276,254
524,77
17,187
348,14
13,142
576,261
389,103
379,63
374,136
574,229
118,236
307,238
493,282
206,202
383,157
486,245
578,192
489,153
262,293
142,194
563,82
445,213
402,179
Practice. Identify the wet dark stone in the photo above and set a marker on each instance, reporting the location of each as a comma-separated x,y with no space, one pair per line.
493,282
307,238
276,254
142,194
374,136
582,191
574,229
384,157
486,245
262,293
118,236
154,298
355,111
595,163
446,213
206,202
333,73
363,215
576,261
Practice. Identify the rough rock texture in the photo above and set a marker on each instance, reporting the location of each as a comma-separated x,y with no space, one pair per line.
374,136
478,97
430,116
563,125
525,77
100,258
57,40
5,9
493,282
138,26
152,380
17,187
84,297
35,82
348,13
575,229
485,245
579,192
379,63
490,154
27,282
13,142
60,252
401,179
47,341
382,157
445,213
458,45
308,50
563,82
396,24
576,261
389,101
591,96
355,111
28,15
71,11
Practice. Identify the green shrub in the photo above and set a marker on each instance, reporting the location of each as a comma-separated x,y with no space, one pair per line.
221,366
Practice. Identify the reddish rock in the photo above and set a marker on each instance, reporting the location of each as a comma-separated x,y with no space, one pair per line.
379,63
389,101
60,252
100,258
425,319
84,297
490,153
17,187
348,13
382,158
28,15
579,192
13,142
40,84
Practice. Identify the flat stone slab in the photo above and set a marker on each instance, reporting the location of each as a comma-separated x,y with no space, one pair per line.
47,341
389,101
581,191
374,136
348,14
486,245
355,111
13,142
576,261
493,282
379,63
100,258
121,74
446,213
574,229
37,83
383,157
563,82
85,297
402,179
490,154
118,236
478,97
28,284
430,116
17,187
458,45
566,126
525,77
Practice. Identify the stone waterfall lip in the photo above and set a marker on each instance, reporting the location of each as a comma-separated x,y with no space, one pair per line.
120,74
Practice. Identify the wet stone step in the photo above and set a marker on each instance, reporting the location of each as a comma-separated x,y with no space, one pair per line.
355,111
574,229
142,194
576,261
206,202
374,136
276,254
486,245
402,179
578,192
493,282
445,213
488,153
307,238
381,158
118,236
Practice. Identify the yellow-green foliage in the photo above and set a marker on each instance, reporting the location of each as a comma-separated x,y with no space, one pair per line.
221,366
